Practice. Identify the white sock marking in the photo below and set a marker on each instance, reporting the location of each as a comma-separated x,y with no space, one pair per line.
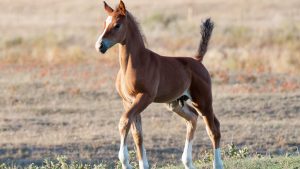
218,164
143,164
187,155
124,156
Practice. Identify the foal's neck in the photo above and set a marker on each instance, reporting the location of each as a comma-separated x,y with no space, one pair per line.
132,51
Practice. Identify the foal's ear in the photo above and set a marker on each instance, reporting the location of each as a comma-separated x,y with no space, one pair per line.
107,8
122,8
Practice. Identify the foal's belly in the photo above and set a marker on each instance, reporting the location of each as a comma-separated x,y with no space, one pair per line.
172,86
169,98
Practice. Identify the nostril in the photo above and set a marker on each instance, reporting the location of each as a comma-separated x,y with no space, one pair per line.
101,45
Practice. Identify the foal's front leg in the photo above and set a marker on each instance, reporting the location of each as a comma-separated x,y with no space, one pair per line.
137,133
140,103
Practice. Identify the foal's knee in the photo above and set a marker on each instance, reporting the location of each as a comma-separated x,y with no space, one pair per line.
192,123
124,124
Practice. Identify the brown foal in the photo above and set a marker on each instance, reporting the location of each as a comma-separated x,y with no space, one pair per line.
145,77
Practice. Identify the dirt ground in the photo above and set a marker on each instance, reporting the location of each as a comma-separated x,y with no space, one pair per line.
57,94
73,110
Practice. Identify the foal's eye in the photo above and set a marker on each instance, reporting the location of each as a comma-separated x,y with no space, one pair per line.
117,26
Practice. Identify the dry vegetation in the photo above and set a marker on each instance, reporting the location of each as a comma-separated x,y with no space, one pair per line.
253,36
57,93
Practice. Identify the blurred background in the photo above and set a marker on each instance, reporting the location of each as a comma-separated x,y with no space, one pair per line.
58,96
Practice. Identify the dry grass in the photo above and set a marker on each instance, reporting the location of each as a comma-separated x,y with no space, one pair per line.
277,162
73,110
262,36
58,96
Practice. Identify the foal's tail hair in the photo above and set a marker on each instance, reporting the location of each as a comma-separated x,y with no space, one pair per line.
206,31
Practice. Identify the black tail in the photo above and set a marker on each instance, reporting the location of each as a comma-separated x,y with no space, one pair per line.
206,30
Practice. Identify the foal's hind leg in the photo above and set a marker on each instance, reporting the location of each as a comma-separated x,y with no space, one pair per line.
213,130
190,115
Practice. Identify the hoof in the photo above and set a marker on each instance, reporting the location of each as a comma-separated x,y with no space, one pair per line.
218,165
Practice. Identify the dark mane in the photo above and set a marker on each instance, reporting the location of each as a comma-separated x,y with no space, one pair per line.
136,26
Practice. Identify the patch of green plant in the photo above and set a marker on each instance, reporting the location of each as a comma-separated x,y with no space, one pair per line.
232,151
234,157
132,162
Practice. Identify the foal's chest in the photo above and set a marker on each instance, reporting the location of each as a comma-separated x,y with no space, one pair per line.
126,88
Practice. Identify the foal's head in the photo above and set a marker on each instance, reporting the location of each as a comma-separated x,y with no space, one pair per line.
114,28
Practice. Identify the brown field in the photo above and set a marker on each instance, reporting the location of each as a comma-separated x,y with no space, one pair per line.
58,96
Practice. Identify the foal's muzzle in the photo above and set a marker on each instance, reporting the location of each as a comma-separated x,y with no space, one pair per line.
103,45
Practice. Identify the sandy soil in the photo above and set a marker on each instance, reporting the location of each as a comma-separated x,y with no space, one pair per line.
73,110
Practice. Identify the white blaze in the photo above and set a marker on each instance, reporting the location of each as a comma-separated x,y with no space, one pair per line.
107,23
